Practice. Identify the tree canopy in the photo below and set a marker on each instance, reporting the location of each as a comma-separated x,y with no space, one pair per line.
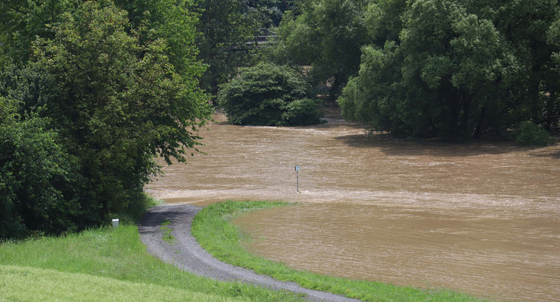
326,34
458,69
116,96
225,29
269,95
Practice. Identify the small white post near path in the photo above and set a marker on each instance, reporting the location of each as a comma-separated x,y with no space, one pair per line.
297,179
115,223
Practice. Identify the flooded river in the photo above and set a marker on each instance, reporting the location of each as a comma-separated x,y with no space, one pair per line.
481,218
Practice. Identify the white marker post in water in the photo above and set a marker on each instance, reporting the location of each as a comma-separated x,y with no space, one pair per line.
297,179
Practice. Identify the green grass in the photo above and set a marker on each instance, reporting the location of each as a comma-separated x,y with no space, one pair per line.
36,284
167,237
103,256
214,231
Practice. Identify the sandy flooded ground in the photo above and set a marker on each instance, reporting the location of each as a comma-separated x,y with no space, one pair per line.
481,218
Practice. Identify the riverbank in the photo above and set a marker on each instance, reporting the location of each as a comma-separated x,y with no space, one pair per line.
108,265
214,231
166,231
479,218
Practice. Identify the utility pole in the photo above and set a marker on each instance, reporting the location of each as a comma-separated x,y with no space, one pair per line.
297,179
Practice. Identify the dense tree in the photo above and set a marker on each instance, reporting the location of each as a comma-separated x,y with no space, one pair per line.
226,27
30,84
273,10
459,69
35,176
171,20
268,95
22,21
327,35
119,104
97,100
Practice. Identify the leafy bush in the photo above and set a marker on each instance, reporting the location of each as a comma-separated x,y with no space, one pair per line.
301,112
268,95
34,175
530,133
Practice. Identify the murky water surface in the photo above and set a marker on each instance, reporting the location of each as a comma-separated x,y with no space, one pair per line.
481,218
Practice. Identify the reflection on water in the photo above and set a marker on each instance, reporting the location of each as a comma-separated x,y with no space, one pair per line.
481,218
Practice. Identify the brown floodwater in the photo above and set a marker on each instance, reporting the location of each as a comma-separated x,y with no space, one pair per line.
481,218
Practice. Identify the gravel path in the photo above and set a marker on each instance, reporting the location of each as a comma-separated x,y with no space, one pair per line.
188,255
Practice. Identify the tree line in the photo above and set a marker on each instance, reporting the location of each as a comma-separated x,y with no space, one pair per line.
431,68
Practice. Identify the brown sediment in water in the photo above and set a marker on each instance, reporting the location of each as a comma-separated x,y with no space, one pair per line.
494,255
481,218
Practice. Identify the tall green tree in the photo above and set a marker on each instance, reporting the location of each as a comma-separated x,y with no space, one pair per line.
459,69
327,35
119,104
225,27
171,20
22,21
175,22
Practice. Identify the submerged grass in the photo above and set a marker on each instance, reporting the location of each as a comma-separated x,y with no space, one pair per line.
103,256
214,231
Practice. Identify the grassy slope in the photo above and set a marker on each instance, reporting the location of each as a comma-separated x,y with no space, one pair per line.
115,255
214,232
35,284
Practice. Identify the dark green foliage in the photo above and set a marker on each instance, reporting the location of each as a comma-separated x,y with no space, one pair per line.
530,133
171,20
225,27
35,173
22,21
119,104
327,35
458,69
301,112
96,101
268,95
31,84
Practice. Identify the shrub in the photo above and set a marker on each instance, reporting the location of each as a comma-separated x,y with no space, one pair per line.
530,133
34,175
268,95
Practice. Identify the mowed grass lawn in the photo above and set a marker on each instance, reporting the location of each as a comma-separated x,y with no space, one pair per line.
36,284
108,265
214,231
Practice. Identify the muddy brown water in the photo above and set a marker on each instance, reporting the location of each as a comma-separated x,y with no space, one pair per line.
482,218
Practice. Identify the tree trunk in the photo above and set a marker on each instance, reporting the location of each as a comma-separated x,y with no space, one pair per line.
550,111
334,87
464,127
479,131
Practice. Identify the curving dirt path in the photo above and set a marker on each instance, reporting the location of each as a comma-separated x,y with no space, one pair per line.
188,255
